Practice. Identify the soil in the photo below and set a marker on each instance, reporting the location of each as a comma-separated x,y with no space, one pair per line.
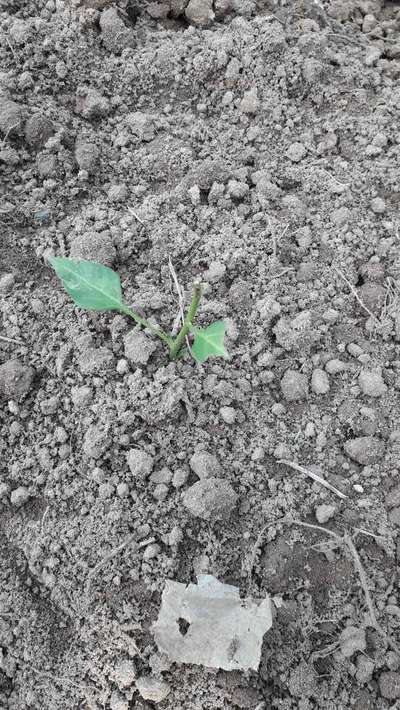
255,144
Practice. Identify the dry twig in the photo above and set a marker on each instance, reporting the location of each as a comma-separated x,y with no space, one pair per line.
11,340
348,542
131,540
181,299
314,476
355,294
136,216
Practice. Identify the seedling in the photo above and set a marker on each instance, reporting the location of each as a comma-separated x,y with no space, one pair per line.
98,288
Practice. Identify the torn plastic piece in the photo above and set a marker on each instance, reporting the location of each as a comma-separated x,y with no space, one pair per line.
210,625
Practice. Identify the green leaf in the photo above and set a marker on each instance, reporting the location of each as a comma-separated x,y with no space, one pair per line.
91,285
209,341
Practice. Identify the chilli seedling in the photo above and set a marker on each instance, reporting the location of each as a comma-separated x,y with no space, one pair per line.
98,288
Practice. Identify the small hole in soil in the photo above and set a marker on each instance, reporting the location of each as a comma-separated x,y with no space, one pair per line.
133,11
183,626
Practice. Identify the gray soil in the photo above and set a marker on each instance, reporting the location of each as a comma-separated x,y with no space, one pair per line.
256,144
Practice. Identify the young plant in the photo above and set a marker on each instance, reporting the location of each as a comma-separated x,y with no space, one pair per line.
98,288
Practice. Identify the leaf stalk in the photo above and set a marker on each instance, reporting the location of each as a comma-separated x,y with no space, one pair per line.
175,345
181,337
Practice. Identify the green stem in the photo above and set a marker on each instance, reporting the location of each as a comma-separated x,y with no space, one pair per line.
180,338
145,324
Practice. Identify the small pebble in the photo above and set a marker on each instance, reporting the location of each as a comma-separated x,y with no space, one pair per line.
98,475
118,702
123,490
122,366
179,478
309,430
250,101
373,296
354,350
365,450
389,685
194,195
320,382
125,673
106,490
378,205
365,669
115,34
94,246
4,491
335,366
278,409
19,496
294,385
352,639
87,156
228,414
205,465
392,499
324,512
340,216
238,190
7,282
296,152
138,347
153,689
96,442
210,499
117,193
15,379
151,551
371,383
175,536
140,463
330,315
160,492
38,129
10,117
90,103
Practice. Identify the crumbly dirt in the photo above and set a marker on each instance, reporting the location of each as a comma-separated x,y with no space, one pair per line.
255,143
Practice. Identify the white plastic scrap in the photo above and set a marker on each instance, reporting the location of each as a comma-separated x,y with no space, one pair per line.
210,625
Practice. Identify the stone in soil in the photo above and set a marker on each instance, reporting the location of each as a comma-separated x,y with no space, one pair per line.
94,246
15,379
324,512
392,499
19,496
373,296
153,689
95,360
352,639
138,347
298,333
365,450
389,685
205,465
7,282
96,441
125,673
371,383
38,129
87,155
114,33
319,382
294,385
90,103
210,499
199,12
140,463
